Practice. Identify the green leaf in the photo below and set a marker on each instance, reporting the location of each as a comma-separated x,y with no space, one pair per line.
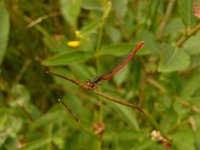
56,46
95,144
21,95
3,118
81,69
70,10
12,125
174,28
180,109
92,5
76,105
37,144
67,58
173,59
65,72
197,138
91,28
196,102
4,29
117,49
48,133
126,113
169,118
120,8
183,139
113,33
174,25
122,76
191,85
126,133
129,116
194,62
192,44
185,8
150,41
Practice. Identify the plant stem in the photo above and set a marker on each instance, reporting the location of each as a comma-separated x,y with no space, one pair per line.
22,71
70,111
99,37
189,34
122,102
166,18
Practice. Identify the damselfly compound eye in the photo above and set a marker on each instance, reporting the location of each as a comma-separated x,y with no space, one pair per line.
196,8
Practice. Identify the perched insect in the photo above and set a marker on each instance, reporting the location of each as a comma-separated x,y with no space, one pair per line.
94,82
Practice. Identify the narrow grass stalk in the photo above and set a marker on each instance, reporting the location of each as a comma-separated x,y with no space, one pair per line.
107,97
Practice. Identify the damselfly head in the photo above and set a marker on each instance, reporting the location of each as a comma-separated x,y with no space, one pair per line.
90,84
196,8
94,82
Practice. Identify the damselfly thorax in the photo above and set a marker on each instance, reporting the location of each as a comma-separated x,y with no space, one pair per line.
94,82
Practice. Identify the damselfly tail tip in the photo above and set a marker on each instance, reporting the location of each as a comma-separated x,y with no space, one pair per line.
140,45
142,42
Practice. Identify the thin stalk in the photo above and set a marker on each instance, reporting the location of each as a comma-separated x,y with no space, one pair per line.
107,97
74,116
22,71
176,126
148,13
99,37
166,18
184,38
37,26
100,111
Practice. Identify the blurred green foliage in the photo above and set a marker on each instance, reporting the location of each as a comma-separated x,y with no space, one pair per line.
164,78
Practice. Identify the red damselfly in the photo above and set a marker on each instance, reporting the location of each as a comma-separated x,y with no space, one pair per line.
94,82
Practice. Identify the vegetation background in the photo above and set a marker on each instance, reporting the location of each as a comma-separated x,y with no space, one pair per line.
81,39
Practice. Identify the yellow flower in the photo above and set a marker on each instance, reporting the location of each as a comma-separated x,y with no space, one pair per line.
73,44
